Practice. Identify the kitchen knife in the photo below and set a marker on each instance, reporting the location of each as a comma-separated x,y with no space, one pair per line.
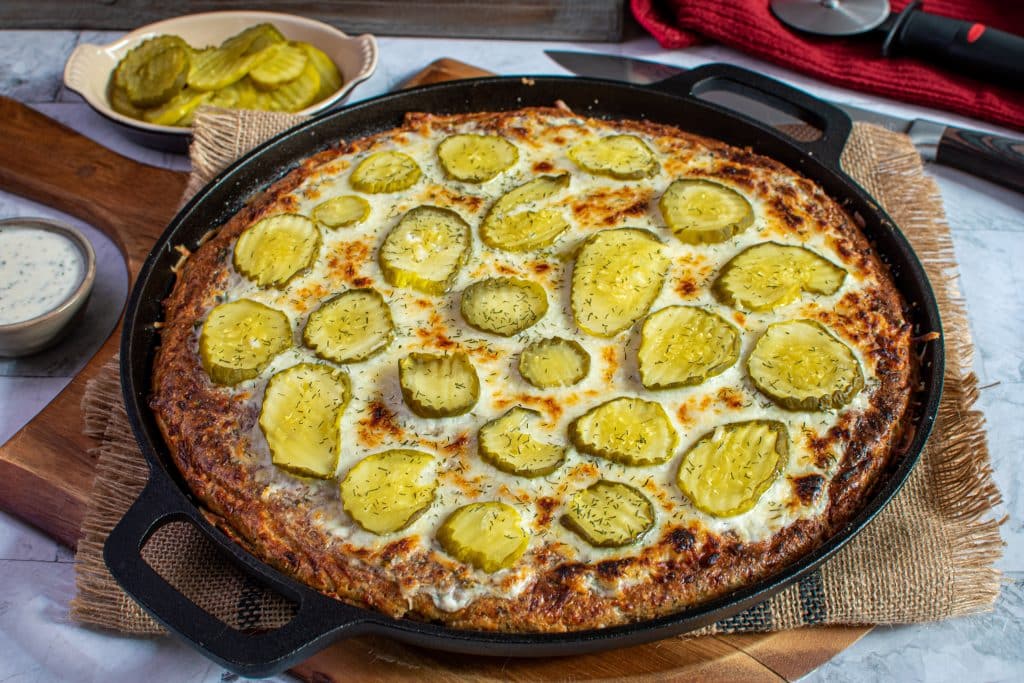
992,157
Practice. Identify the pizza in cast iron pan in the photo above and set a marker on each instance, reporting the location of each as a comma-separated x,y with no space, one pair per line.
531,371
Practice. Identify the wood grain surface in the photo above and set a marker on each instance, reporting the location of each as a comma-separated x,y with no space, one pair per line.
46,472
529,19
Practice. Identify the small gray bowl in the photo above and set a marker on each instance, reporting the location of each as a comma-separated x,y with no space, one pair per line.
35,334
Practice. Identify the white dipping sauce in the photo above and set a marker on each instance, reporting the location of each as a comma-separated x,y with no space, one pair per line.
39,270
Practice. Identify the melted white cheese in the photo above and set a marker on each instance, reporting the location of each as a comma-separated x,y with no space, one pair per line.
376,378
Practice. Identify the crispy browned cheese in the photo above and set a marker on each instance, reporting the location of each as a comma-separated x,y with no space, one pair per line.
214,436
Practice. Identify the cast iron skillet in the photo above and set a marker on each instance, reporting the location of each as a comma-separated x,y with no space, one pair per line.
320,619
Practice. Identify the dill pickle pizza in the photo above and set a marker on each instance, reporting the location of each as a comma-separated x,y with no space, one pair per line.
530,371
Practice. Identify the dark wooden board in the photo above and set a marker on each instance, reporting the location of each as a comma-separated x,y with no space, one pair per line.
46,472
528,19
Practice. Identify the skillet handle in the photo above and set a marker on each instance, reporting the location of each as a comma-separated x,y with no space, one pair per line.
834,123
318,621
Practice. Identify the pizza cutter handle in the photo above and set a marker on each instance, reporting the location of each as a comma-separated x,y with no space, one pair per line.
834,124
319,620
967,46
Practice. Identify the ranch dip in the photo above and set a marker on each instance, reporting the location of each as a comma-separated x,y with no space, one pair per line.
39,270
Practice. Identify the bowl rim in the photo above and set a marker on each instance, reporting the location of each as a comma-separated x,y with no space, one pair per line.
88,277
102,106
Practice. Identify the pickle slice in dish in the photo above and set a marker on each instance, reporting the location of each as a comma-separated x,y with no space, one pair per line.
476,158
425,250
801,366
728,470
516,223
301,418
503,305
350,327
330,77
554,362
297,93
625,157
240,338
701,211
178,110
683,346
488,536
769,275
609,514
435,385
617,276
232,61
508,444
386,492
155,71
385,172
281,63
629,431
274,250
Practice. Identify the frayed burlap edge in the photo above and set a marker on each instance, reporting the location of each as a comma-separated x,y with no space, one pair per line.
953,480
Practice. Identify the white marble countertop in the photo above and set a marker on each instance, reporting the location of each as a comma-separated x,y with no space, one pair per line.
39,643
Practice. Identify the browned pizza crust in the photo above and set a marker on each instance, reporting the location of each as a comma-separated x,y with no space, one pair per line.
205,429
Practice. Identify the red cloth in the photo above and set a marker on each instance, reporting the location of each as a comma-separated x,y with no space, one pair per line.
853,62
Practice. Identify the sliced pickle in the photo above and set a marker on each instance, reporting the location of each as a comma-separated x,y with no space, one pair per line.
301,418
296,94
625,157
220,67
701,211
386,492
155,71
276,249
385,172
617,276
476,158
514,223
281,63
769,275
508,444
801,366
503,305
229,97
609,514
240,338
683,346
341,212
629,431
330,78
435,385
489,536
350,327
255,39
554,362
425,250
178,110
728,470
119,101
239,95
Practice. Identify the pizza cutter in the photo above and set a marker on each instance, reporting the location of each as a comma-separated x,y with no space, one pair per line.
967,46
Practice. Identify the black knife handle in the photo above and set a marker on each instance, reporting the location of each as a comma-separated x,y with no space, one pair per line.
985,155
968,46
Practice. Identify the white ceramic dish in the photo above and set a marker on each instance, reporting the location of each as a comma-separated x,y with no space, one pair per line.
35,334
88,70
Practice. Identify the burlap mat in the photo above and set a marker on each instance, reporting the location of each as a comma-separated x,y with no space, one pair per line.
929,555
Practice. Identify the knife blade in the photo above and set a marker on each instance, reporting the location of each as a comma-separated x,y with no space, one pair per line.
992,157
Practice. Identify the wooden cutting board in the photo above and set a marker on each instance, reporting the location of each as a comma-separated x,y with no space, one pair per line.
46,471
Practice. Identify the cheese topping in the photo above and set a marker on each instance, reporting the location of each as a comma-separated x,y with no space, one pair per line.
378,419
